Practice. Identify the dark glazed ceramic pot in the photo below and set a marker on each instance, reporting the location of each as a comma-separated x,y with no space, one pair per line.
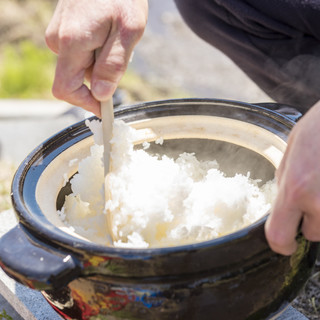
234,277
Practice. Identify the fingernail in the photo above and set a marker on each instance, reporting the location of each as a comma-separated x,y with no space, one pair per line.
102,90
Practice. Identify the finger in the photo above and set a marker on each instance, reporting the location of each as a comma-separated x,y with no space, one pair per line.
51,34
69,82
282,225
110,66
108,69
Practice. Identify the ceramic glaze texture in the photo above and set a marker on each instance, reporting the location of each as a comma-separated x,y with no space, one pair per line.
235,276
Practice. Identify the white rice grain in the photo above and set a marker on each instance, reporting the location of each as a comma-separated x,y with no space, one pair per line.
158,201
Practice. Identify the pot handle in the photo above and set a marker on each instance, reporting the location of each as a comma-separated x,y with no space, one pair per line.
288,111
42,268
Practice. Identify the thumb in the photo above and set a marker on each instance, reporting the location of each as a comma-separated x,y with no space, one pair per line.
111,63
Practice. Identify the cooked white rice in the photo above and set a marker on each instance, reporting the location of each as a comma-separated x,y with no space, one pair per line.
158,201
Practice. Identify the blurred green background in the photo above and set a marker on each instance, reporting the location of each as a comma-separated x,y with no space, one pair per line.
26,65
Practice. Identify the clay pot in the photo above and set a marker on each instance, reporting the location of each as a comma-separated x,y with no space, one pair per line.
236,276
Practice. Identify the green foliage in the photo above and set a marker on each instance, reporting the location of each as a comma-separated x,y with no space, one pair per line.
26,71
4,315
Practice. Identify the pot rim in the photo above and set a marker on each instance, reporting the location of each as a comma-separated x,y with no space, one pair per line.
42,229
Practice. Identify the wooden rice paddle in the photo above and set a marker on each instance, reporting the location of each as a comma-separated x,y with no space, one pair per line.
107,126
107,117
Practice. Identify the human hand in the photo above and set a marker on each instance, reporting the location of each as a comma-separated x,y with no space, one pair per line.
298,196
77,29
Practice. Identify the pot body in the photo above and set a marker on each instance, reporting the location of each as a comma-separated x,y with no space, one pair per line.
256,291
235,276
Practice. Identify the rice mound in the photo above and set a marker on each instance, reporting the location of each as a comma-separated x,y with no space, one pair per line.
157,201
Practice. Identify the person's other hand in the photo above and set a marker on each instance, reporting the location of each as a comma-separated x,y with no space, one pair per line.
77,29
298,196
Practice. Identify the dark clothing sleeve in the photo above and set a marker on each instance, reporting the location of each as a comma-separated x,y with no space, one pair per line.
275,42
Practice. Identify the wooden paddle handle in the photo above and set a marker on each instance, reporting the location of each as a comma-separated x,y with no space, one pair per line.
107,128
107,118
